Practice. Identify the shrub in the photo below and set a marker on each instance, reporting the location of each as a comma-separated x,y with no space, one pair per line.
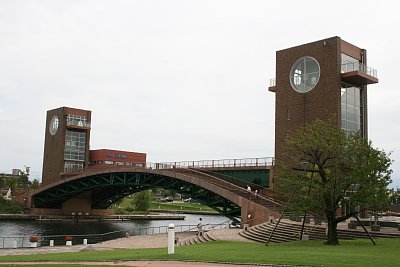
33,239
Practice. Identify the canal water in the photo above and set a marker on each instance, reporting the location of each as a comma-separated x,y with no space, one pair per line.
45,228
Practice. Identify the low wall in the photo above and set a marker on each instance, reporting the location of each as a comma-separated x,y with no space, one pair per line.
94,212
253,213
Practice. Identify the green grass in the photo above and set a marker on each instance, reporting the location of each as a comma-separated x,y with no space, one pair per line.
179,206
182,206
310,253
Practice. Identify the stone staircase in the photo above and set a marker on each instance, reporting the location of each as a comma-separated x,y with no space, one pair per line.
197,239
288,231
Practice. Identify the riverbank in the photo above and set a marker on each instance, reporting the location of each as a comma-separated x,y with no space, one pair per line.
186,211
91,218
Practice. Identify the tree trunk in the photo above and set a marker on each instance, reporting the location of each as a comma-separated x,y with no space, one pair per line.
332,238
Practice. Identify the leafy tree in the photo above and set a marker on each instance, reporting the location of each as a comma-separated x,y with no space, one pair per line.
142,200
23,180
330,171
9,206
394,196
35,184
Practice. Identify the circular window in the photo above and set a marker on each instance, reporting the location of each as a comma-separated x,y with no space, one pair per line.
304,74
54,125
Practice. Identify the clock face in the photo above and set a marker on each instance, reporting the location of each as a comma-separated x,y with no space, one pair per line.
54,125
304,74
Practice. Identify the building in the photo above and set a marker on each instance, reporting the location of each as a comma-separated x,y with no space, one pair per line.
108,157
66,146
324,80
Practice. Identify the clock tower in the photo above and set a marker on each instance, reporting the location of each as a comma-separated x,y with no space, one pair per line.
66,146
324,80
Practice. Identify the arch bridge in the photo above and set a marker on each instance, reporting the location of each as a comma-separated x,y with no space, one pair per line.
220,184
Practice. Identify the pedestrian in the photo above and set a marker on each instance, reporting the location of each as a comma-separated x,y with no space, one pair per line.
199,226
256,195
249,190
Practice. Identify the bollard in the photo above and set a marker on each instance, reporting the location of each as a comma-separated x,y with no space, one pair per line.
51,243
85,241
15,244
171,238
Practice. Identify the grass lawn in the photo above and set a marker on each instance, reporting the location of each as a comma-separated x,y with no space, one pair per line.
175,205
310,253
180,206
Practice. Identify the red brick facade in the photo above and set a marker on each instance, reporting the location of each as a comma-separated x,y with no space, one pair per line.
294,109
107,157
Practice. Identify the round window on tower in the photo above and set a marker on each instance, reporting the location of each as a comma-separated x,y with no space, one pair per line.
54,125
304,74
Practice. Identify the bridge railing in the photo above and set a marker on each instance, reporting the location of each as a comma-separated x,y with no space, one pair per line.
221,163
200,164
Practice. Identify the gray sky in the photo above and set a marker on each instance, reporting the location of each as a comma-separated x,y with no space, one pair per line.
179,80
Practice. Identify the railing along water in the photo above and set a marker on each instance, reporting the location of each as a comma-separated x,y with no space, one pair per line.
59,240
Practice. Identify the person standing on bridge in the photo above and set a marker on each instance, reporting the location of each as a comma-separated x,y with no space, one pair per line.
249,190
256,195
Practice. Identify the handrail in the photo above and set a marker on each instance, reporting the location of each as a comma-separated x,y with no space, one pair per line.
200,164
229,186
23,241
357,66
272,82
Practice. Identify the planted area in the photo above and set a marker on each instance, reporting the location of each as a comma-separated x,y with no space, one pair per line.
9,206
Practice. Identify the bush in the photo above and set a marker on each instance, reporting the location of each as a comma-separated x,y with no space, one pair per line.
142,200
33,239
119,211
9,206
129,209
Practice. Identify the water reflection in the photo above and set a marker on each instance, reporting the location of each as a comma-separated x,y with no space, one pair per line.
42,228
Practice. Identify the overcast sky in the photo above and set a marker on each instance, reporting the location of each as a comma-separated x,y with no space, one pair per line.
179,80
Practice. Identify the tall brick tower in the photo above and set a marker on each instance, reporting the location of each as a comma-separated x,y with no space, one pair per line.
321,80
66,144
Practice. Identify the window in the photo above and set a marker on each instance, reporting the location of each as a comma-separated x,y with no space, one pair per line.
75,146
304,74
70,166
351,110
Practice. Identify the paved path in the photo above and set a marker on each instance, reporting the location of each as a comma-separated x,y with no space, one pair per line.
145,263
148,241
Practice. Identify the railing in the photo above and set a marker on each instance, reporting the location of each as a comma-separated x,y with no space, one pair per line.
59,240
357,66
272,82
221,163
201,164
78,123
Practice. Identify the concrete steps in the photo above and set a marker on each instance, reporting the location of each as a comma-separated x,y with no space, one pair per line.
288,231
195,239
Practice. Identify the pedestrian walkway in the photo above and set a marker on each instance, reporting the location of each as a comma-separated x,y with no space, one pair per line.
142,241
147,241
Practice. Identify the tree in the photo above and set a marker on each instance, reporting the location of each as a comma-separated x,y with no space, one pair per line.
35,184
394,196
333,174
142,200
